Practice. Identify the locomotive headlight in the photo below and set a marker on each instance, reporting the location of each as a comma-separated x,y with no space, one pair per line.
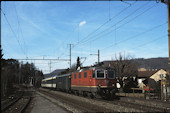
117,85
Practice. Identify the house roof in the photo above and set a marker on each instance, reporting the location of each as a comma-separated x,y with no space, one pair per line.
146,73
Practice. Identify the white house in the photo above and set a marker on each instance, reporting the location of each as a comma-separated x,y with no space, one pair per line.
156,75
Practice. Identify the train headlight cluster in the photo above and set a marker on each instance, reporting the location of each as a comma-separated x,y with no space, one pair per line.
118,85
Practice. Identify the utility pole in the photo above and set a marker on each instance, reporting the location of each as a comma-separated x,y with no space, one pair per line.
1,59
19,74
50,73
33,80
168,73
168,6
70,54
98,57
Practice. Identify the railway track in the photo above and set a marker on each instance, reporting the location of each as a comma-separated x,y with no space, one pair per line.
154,105
100,105
138,104
8,103
79,105
136,107
17,105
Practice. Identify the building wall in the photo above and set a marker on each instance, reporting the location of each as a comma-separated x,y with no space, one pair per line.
161,74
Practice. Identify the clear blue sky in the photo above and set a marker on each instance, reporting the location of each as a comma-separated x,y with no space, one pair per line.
43,29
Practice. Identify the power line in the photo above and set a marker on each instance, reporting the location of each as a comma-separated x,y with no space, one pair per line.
85,16
121,21
135,18
151,29
86,38
107,22
19,26
123,24
46,59
13,31
163,36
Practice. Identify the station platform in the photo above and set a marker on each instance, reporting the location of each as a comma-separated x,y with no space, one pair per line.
40,104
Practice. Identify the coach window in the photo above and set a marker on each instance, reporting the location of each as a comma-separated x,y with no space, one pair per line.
85,74
100,73
74,76
79,75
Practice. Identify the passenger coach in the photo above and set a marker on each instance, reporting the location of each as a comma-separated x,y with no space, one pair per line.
60,82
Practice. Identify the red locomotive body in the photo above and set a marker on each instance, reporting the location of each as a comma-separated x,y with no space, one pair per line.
96,81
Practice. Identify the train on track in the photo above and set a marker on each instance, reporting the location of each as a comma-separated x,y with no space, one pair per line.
92,81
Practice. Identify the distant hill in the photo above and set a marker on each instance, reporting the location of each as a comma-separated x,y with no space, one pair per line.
55,72
152,63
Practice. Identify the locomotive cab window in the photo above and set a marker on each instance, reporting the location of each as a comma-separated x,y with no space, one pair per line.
100,73
111,74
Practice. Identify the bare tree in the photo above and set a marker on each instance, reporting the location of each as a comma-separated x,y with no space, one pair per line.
124,66
78,63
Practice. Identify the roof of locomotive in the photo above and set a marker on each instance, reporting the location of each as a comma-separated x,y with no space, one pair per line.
82,69
89,68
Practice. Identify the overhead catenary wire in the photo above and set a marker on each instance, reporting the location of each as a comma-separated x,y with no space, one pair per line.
13,32
124,23
163,36
77,25
156,39
105,23
129,20
86,38
137,35
19,26
120,25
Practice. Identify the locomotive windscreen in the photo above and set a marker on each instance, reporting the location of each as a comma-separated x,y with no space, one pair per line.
100,73
111,73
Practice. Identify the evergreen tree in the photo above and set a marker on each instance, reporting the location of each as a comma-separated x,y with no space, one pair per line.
78,63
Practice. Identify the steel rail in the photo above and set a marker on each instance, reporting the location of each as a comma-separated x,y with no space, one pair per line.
5,107
25,105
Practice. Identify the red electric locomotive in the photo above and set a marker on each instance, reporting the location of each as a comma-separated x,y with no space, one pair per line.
96,81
